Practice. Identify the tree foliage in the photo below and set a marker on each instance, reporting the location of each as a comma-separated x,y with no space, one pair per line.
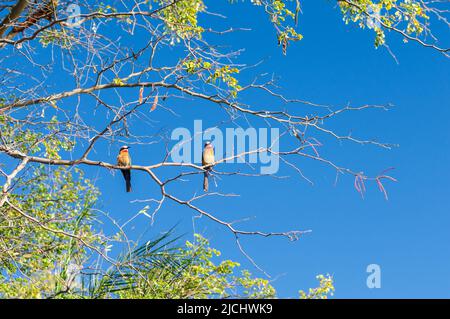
46,232
63,79
156,270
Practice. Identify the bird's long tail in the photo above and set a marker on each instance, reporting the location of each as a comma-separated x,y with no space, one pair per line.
127,175
205,181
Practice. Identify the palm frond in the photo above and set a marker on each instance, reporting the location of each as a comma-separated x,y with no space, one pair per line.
156,258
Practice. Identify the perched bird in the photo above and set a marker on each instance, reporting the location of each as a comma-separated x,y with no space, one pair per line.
124,160
207,159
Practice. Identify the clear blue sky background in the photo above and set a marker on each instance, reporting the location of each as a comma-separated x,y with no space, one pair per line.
408,235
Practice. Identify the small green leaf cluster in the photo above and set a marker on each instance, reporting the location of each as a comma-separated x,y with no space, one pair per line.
405,15
325,289
215,74
181,18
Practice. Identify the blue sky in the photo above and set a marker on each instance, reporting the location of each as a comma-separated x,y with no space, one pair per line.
334,64
408,234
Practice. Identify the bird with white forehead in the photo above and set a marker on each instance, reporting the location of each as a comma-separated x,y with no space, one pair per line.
207,160
124,159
